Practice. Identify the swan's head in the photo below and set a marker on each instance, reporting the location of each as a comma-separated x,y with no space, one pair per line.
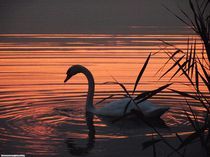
73,70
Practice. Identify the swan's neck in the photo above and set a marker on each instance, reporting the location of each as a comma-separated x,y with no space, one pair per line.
91,89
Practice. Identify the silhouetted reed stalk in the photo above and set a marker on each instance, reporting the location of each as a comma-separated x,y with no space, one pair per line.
196,70
200,22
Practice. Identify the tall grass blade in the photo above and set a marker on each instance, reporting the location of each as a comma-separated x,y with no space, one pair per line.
186,75
141,73
205,7
154,148
171,45
177,16
149,143
179,69
170,58
161,137
190,59
205,81
104,99
142,95
186,70
184,94
174,65
193,59
194,116
126,107
151,93
191,121
188,44
196,78
189,19
121,85
204,71
179,137
188,140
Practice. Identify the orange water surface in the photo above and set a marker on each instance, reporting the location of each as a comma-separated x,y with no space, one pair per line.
38,112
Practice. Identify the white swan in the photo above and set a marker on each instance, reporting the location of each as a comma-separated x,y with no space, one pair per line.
115,108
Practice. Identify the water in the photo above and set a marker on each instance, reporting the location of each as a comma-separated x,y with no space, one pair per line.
42,116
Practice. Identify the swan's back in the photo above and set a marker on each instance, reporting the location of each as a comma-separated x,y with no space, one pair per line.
117,108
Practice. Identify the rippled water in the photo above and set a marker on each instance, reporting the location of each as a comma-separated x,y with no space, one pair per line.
42,116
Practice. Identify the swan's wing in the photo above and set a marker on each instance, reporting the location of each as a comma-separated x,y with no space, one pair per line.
146,106
115,108
152,110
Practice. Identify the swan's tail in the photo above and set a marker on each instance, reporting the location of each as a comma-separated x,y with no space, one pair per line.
157,113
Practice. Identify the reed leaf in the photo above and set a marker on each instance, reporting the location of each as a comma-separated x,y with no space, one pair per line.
189,19
185,22
154,148
196,77
174,65
193,59
194,116
142,95
105,99
161,137
205,81
184,94
171,45
126,106
141,73
121,85
195,16
188,44
170,58
179,137
204,71
149,143
179,69
151,93
186,75
203,103
191,121
187,70
188,140
190,59
205,7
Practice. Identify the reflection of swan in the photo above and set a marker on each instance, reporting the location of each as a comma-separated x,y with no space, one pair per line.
76,150
115,108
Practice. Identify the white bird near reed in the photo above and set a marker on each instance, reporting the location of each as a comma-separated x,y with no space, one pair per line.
115,108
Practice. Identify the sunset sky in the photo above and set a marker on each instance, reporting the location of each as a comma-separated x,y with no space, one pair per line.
83,16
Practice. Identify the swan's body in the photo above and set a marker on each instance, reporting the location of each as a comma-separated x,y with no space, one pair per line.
115,108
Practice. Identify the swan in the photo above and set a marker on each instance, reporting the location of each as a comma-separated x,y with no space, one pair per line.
115,108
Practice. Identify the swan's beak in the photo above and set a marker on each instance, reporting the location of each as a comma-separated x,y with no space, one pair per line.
67,78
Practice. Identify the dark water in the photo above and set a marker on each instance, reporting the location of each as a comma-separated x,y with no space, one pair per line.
42,116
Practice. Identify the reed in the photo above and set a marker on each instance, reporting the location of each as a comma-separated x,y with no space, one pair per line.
196,69
199,22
